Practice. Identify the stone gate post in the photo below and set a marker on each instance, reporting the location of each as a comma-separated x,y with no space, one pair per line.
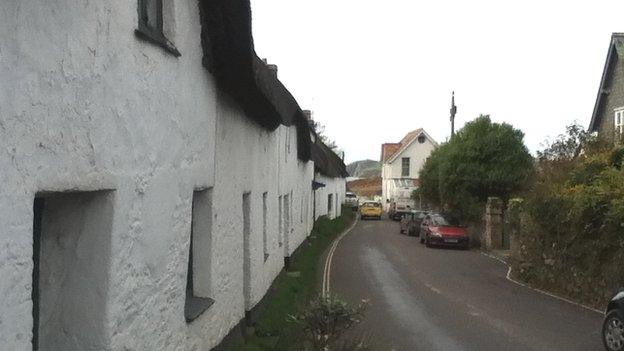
493,236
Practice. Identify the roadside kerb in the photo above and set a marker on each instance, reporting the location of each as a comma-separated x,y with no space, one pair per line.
509,268
328,259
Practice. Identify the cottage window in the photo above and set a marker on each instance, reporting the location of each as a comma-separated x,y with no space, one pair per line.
198,277
619,120
71,269
405,167
151,27
265,246
247,250
330,202
421,139
280,221
287,211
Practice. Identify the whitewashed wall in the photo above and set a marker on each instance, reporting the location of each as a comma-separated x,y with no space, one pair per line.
85,106
335,186
296,182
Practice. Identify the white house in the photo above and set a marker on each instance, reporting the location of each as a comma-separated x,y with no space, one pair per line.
401,163
330,180
155,175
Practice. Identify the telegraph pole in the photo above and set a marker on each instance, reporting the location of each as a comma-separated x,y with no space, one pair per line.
453,113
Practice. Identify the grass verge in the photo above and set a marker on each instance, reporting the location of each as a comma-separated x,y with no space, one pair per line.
291,293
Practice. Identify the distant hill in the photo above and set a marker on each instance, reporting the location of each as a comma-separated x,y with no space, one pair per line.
364,169
365,187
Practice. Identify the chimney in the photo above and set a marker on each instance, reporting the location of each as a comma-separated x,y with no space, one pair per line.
271,67
307,114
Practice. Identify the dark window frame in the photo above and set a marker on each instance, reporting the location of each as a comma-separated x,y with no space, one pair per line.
404,166
151,34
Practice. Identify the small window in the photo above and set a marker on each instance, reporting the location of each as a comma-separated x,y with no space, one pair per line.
619,120
247,259
151,25
405,167
71,270
264,226
198,276
330,202
421,139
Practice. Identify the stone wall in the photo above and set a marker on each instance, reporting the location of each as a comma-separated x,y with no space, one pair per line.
493,234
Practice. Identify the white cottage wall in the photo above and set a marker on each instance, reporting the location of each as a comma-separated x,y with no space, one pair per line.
336,187
295,181
246,162
85,105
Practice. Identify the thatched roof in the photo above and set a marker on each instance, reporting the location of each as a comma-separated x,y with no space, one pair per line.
229,55
327,162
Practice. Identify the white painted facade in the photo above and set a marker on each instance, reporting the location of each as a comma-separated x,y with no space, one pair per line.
334,187
417,150
132,149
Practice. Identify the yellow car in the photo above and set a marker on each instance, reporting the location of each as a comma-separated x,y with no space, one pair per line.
370,209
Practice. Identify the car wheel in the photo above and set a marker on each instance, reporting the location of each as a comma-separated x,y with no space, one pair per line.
427,244
613,332
401,231
422,239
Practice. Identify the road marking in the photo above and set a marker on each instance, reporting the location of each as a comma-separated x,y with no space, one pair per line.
539,290
328,260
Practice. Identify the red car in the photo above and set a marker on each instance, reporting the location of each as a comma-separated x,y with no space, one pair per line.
435,229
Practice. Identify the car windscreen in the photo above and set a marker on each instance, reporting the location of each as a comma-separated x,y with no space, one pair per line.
440,221
351,196
372,204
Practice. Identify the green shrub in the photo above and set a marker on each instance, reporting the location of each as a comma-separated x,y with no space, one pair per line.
573,230
483,159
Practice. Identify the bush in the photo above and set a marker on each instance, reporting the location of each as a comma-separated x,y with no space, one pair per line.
573,231
483,159
326,319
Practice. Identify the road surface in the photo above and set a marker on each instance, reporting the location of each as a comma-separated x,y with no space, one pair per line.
443,299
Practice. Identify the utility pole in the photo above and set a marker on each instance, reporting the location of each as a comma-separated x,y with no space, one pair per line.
453,113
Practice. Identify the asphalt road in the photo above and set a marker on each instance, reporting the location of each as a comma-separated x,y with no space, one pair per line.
444,299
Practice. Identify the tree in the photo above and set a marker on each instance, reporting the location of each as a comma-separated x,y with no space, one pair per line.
483,159
319,129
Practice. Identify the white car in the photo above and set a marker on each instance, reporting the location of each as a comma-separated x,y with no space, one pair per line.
351,200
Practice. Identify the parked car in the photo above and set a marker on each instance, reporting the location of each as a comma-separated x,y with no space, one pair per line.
351,200
370,209
439,230
410,223
400,207
613,325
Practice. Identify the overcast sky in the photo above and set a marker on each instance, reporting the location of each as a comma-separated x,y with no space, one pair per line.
373,70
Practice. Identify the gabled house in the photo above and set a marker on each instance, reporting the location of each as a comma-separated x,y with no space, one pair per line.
401,163
608,115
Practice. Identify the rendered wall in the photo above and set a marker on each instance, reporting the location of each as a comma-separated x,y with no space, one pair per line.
85,105
335,186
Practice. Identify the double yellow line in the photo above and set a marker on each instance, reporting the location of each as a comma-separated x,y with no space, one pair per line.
329,258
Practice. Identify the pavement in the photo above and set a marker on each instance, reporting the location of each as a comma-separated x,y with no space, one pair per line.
446,299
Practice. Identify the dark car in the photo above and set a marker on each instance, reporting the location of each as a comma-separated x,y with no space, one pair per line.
440,230
613,325
410,222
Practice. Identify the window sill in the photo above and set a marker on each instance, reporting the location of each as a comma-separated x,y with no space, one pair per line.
146,34
196,306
